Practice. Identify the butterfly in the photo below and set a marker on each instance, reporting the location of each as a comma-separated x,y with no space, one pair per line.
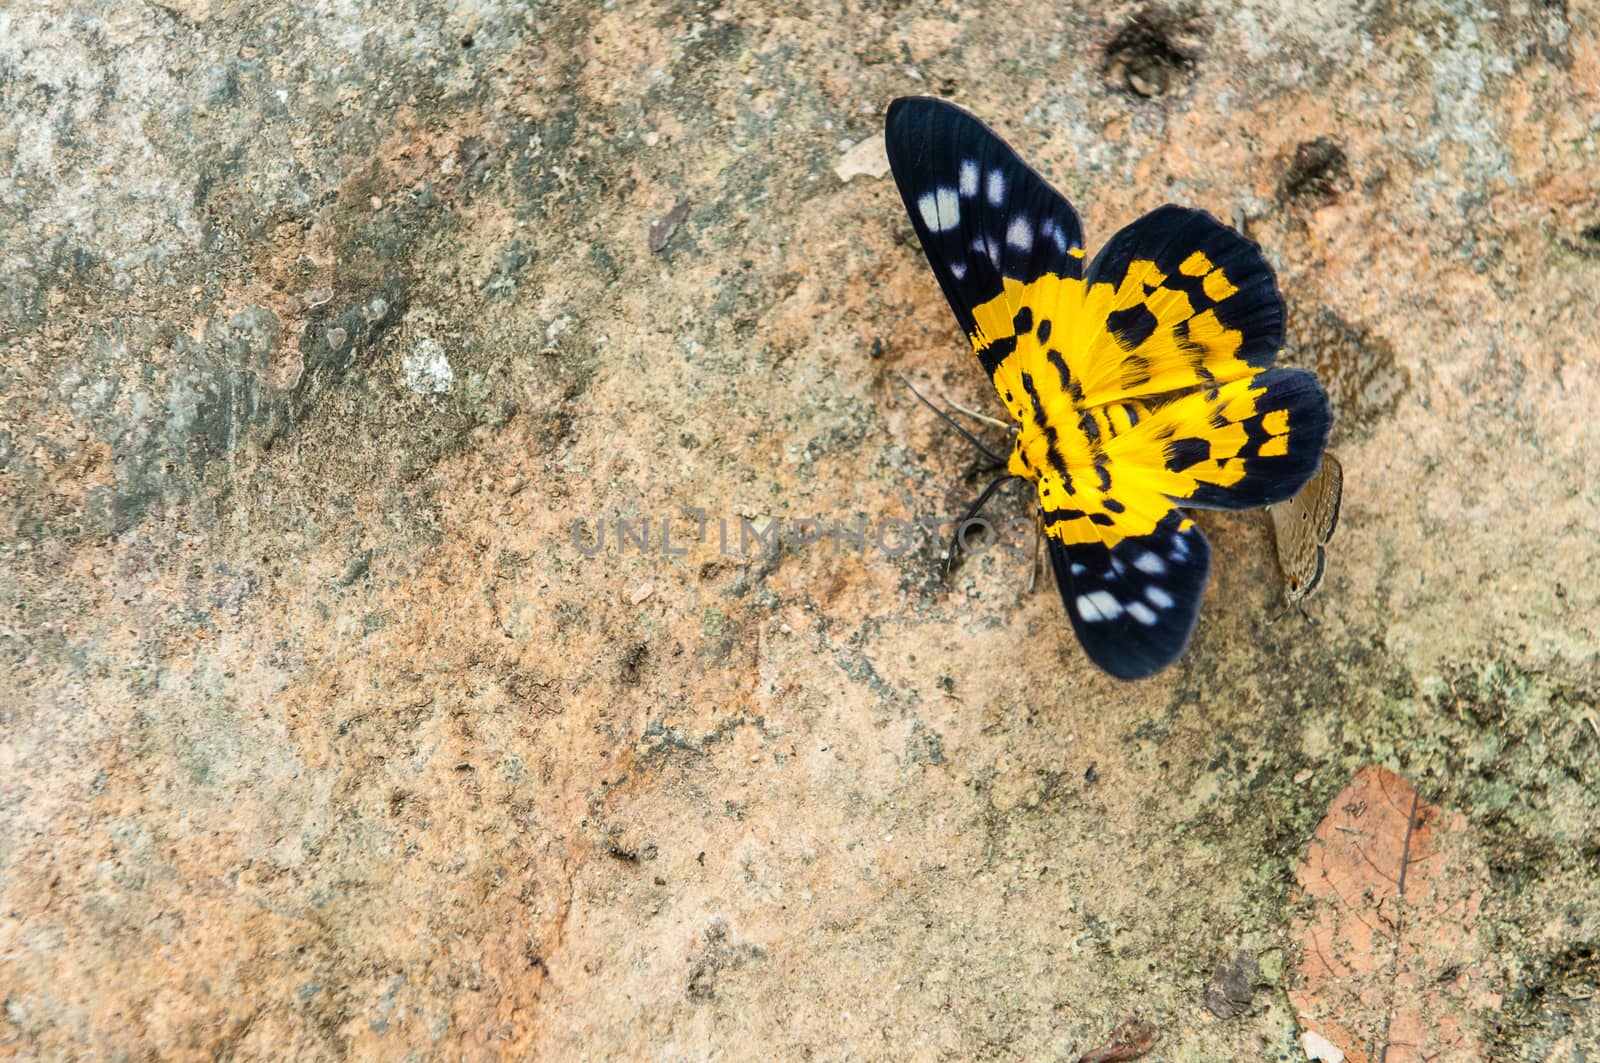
1143,379
1303,525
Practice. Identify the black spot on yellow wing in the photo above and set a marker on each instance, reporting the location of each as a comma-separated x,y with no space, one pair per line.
1187,452
991,354
1089,425
1133,605
1052,438
1132,325
1102,469
1063,375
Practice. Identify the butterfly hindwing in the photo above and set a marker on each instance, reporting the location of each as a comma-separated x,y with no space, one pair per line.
1176,300
1134,605
988,223
1283,416
1250,442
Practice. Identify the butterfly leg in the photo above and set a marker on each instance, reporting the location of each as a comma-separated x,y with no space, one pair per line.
1038,543
972,511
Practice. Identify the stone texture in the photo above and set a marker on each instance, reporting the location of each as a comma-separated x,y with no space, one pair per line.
320,736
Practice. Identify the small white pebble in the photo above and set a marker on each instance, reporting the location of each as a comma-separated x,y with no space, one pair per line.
427,369
640,593
866,159
1319,1047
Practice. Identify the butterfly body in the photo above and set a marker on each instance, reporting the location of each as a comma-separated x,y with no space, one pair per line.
1142,379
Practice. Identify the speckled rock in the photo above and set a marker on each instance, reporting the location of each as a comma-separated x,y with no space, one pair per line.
323,735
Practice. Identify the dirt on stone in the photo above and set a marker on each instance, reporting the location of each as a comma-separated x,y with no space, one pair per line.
396,653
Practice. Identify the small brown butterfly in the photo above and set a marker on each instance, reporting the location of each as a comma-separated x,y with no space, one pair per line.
1304,524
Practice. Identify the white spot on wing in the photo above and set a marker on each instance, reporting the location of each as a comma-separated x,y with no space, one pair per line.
958,270
940,209
1077,569
949,207
1158,597
1052,232
1099,605
1019,234
1151,563
996,188
1142,613
969,178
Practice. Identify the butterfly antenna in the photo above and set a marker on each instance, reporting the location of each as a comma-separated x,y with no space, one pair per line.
999,462
972,511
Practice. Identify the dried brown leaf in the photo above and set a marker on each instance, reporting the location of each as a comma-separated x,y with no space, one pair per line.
1390,966
1130,1040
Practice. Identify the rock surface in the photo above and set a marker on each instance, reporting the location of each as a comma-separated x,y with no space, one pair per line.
321,735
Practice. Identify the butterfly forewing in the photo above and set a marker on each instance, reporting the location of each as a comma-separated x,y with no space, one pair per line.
989,224
1133,606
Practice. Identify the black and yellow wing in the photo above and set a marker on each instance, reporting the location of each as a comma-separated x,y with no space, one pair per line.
1142,383
988,223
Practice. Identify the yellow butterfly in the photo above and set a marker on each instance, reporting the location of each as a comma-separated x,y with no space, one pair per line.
1143,380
